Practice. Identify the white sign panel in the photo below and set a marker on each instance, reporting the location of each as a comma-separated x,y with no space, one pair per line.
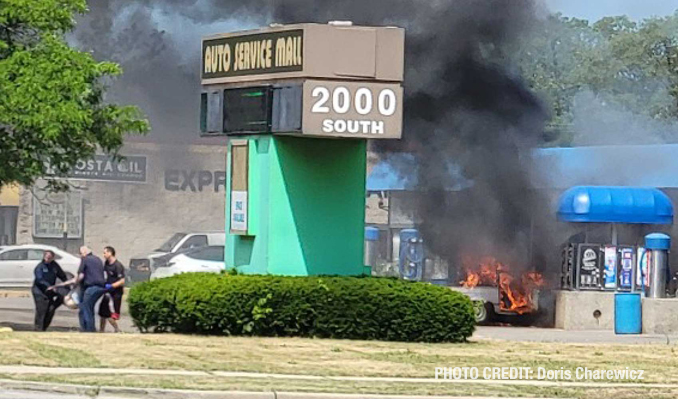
366,110
239,211
51,214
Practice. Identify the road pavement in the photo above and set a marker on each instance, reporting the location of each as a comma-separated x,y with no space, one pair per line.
17,312
534,334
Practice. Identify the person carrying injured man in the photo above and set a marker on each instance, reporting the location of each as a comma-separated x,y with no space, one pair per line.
111,303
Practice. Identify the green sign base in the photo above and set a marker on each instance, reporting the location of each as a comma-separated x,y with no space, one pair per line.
305,211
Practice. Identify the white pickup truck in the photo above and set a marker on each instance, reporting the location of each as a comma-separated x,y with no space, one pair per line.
140,267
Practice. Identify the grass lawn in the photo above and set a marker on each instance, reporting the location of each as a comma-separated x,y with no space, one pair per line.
332,358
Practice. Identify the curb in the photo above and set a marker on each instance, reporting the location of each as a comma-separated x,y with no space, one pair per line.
148,393
302,395
16,292
106,392
66,389
23,370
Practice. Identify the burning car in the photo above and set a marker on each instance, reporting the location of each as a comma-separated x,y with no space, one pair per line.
495,289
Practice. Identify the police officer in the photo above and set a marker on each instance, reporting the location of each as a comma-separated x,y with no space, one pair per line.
45,291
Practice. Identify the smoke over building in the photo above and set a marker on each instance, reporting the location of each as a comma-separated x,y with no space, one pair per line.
465,111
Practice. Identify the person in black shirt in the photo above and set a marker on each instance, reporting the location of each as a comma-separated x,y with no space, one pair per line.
45,294
111,303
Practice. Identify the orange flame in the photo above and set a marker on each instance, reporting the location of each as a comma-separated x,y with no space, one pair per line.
515,294
482,273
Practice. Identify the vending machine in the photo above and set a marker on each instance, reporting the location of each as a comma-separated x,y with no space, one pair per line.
625,270
568,278
642,272
610,267
589,265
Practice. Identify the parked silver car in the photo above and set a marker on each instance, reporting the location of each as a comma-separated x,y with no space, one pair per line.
17,263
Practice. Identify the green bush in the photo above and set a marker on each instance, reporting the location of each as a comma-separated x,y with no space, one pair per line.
326,307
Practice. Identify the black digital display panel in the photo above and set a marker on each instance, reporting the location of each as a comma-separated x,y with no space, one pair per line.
203,112
248,110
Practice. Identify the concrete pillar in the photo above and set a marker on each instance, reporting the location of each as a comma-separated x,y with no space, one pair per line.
660,316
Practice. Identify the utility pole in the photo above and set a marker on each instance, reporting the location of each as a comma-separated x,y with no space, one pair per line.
64,239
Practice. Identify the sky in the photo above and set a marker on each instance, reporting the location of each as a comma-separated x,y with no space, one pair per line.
593,10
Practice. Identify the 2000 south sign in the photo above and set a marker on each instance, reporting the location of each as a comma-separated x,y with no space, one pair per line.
352,109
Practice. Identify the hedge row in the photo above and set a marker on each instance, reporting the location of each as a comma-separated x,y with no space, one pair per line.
326,307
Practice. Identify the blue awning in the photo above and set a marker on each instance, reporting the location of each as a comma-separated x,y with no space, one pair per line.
620,165
606,204
398,173
385,176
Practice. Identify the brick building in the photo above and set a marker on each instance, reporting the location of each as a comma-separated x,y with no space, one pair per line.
135,204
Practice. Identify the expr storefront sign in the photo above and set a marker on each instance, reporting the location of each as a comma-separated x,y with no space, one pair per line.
194,180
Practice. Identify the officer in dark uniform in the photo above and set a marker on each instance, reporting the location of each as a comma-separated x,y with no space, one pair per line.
46,293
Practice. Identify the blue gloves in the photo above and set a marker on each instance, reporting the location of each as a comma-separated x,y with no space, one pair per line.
109,287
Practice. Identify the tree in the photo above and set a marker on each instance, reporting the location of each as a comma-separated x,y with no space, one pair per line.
52,107
548,61
645,64
633,66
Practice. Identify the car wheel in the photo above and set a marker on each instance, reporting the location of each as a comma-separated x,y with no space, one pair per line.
483,312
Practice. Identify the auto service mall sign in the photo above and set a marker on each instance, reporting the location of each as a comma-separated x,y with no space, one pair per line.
346,81
273,52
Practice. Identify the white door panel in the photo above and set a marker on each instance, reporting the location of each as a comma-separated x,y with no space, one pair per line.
26,271
9,271
13,264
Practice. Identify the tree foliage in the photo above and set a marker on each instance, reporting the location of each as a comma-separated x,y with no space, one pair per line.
52,107
630,64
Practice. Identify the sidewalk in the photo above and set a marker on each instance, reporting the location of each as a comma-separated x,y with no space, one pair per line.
61,371
131,393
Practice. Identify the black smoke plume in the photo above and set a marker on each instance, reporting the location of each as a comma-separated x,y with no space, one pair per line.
469,119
